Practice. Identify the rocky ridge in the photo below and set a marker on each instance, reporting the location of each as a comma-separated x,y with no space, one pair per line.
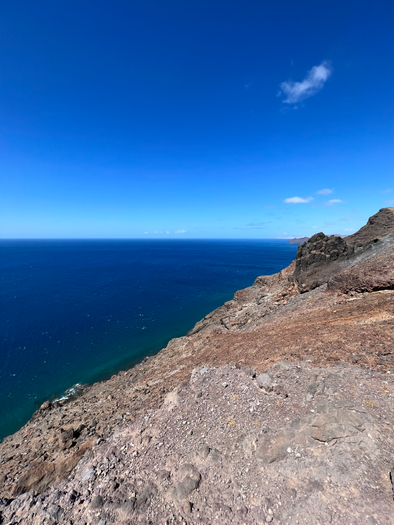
322,257
277,407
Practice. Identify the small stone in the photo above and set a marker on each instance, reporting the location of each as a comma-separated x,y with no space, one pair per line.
187,507
88,474
224,385
202,452
97,502
242,511
264,381
55,511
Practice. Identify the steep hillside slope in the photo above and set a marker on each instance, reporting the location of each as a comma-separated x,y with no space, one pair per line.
201,433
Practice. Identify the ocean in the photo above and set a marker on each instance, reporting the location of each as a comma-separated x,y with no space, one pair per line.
77,311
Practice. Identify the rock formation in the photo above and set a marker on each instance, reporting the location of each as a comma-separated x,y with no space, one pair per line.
276,408
322,257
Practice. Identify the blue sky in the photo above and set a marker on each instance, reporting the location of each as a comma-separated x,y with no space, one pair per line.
205,120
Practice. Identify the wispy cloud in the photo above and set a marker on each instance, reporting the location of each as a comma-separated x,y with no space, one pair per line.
324,192
350,218
298,200
389,202
350,229
332,202
181,231
268,207
387,191
312,83
253,226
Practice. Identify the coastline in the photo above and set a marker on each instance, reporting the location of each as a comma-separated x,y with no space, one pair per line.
150,292
294,348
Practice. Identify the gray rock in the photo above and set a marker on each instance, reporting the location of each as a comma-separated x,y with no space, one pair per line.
190,482
247,371
311,391
214,455
129,506
164,475
145,495
55,512
97,502
88,473
273,449
265,381
242,511
202,452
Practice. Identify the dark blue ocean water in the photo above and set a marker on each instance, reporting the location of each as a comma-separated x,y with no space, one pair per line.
79,311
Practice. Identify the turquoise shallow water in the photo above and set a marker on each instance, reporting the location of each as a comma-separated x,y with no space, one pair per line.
79,311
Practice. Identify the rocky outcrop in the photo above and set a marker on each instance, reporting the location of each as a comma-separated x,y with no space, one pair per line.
322,257
315,260
372,274
378,226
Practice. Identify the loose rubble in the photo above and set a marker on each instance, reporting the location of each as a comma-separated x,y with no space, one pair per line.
316,446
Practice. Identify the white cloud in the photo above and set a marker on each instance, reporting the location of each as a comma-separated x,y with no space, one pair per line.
387,191
389,202
181,231
350,218
334,201
312,83
350,229
298,200
324,192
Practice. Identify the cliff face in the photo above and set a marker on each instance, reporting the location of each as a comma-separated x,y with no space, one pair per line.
322,257
269,410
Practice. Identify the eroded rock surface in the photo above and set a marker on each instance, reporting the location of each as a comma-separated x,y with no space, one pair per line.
228,451
322,258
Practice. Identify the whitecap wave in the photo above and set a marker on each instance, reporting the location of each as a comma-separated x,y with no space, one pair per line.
72,392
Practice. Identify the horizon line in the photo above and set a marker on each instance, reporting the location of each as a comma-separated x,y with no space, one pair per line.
147,238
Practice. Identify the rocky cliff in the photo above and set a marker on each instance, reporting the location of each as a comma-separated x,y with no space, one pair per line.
276,408
321,257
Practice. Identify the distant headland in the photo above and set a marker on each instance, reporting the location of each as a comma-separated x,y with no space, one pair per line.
301,240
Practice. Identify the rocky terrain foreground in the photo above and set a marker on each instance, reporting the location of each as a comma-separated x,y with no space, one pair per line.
278,407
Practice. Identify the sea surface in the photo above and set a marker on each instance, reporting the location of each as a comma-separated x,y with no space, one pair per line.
78,311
